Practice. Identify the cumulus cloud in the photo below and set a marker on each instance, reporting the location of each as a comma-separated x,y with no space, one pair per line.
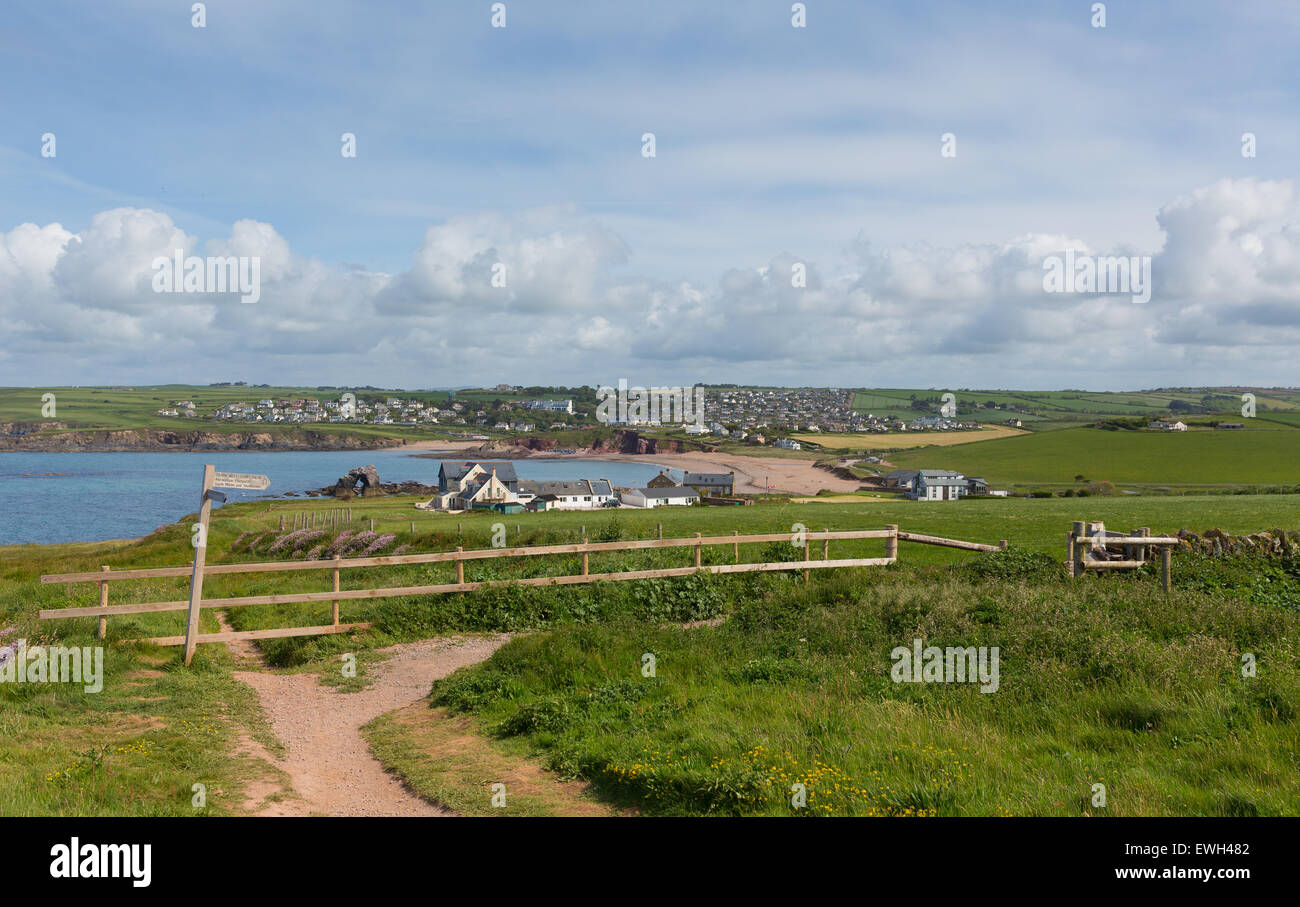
79,307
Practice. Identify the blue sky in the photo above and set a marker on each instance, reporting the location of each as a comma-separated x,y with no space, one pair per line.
774,144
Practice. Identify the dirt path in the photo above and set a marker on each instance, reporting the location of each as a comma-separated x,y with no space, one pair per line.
329,764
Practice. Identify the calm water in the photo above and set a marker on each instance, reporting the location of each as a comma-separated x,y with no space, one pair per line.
86,497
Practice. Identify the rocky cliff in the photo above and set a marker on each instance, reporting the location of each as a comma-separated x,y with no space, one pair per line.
55,436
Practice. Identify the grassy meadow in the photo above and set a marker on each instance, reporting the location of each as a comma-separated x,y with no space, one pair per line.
1261,456
794,683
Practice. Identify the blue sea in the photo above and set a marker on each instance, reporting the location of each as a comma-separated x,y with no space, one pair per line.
87,497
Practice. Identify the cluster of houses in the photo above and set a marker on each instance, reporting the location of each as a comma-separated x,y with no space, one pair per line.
494,485
938,485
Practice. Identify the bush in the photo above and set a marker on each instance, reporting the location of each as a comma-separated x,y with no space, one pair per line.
1015,563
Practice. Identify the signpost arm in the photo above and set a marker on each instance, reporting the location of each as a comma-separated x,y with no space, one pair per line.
200,555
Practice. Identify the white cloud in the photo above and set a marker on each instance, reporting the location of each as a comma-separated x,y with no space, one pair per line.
78,308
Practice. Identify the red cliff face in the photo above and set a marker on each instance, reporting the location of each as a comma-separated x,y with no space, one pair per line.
629,442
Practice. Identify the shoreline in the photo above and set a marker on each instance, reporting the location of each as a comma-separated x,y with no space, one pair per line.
753,474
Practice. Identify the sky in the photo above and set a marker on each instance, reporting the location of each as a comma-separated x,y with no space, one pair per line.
917,162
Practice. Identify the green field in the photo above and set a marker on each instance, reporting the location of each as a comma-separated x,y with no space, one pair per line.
1227,458
796,669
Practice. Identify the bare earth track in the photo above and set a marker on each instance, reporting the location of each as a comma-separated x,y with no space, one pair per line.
330,766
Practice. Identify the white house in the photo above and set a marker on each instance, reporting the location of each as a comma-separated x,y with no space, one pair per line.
659,497
584,494
937,485
1168,426
787,444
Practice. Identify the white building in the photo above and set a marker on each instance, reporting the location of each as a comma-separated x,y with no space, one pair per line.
937,485
659,497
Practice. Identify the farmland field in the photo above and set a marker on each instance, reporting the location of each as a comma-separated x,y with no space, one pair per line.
905,440
1239,458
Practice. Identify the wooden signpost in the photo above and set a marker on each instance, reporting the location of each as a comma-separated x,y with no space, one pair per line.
211,480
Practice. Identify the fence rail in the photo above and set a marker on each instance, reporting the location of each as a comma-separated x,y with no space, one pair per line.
103,610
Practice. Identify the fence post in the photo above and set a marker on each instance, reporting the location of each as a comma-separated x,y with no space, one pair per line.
826,545
460,566
103,602
699,551
200,556
661,530
1070,559
891,541
807,556
1166,566
334,609
372,524
585,562
282,522
1003,543
1080,550
1145,532
736,545
412,527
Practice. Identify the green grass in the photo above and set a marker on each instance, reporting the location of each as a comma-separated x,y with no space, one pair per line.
191,718
1103,681
1226,458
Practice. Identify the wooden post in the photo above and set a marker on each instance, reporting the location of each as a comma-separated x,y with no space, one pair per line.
1070,559
334,609
585,565
1166,567
661,530
699,551
1076,565
826,546
735,546
807,556
460,566
891,541
200,556
372,524
282,522
1003,543
412,527
103,603
1145,532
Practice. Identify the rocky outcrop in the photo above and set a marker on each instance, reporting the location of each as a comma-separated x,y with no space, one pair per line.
20,429
363,481
158,439
630,442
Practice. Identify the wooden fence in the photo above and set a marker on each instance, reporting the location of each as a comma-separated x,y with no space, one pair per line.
459,557
1090,546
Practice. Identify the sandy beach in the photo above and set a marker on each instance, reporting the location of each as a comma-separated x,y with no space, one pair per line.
754,475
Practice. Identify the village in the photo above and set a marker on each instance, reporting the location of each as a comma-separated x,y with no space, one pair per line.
494,485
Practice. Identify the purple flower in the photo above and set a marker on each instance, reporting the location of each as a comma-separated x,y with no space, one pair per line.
379,544
337,546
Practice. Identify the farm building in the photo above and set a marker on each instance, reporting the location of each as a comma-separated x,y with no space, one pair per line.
663,480
583,494
711,484
659,497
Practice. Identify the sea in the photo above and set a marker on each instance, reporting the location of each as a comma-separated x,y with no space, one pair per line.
48,498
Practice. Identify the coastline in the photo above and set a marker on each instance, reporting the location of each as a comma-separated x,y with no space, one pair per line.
753,474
